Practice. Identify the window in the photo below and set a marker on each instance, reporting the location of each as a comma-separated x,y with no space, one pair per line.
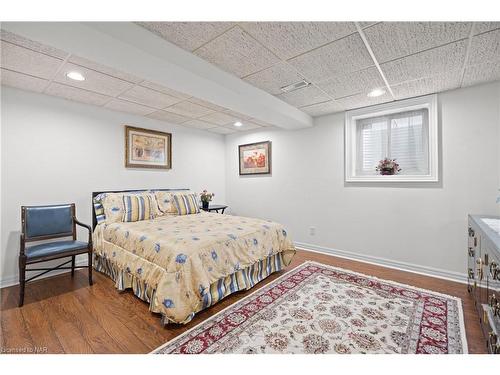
405,131
402,136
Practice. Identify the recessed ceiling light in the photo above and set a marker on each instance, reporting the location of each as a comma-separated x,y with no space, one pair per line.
76,76
376,92
238,124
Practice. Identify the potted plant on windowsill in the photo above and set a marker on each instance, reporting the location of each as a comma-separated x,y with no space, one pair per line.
388,167
206,197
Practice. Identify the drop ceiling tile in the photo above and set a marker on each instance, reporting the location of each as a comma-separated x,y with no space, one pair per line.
75,94
129,107
485,48
426,64
481,73
352,83
482,27
197,124
187,35
289,39
104,69
321,109
239,116
32,45
27,61
446,81
340,57
362,100
365,24
148,97
219,118
168,117
221,130
246,125
189,109
274,78
165,90
237,52
305,96
392,40
22,81
204,103
94,81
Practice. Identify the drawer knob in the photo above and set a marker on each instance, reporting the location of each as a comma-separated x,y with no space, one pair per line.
494,271
470,273
493,301
493,338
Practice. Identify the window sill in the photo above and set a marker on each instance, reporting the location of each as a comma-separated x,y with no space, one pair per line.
394,178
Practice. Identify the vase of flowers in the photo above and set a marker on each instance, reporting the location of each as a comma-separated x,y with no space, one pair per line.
388,167
206,197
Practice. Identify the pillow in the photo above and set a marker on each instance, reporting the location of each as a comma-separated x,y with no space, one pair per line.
166,201
138,207
186,204
99,209
113,206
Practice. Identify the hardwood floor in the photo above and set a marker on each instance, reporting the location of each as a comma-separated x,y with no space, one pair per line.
65,315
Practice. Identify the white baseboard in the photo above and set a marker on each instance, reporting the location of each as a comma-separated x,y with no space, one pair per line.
402,266
14,279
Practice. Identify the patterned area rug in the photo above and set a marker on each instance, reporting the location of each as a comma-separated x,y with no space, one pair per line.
316,308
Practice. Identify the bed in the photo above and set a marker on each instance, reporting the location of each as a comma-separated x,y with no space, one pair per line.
182,264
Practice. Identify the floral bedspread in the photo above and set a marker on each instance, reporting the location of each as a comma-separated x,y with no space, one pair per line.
181,256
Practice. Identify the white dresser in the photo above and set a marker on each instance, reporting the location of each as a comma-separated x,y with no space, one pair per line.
484,275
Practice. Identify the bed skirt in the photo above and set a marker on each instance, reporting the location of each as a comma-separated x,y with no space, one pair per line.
243,279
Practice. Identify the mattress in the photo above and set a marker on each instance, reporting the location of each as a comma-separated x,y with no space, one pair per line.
183,264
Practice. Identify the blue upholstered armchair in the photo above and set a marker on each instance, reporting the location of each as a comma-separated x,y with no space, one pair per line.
41,223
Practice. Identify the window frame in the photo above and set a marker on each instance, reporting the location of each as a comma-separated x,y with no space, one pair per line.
429,102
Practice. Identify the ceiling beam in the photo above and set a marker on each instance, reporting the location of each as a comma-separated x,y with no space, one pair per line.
132,49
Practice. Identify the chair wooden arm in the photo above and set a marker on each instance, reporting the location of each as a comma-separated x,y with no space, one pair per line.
84,226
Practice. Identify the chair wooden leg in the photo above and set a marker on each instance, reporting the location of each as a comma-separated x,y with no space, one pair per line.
73,266
22,279
90,267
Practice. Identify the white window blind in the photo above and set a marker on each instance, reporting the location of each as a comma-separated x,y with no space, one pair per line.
403,136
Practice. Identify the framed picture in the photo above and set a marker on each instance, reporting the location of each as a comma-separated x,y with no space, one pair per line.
146,148
255,158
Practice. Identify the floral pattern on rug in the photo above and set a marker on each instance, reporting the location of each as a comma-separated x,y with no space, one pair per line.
317,308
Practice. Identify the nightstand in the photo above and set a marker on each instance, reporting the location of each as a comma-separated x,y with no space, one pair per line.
215,208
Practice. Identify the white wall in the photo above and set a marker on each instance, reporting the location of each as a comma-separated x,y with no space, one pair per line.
57,151
422,225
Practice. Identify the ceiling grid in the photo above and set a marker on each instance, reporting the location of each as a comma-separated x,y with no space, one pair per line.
147,99
342,61
370,51
402,46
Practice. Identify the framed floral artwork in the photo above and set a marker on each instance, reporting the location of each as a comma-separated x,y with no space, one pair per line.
145,148
255,158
